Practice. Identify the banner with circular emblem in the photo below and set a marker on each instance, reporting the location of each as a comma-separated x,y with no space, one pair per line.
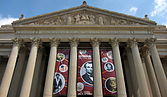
61,72
85,73
108,73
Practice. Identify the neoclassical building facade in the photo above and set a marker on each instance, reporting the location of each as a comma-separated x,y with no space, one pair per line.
83,52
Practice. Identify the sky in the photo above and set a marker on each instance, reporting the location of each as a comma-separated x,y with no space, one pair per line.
10,10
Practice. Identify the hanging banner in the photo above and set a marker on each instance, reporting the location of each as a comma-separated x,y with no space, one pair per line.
108,73
85,73
61,72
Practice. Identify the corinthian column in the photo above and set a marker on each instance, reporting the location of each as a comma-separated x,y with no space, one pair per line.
151,73
72,80
6,80
96,69
162,81
143,87
119,71
48,89
28,77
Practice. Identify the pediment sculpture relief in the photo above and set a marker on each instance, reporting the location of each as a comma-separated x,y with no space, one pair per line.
82,18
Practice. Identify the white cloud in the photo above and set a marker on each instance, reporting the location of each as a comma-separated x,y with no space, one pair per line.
132,11
7,20
160,7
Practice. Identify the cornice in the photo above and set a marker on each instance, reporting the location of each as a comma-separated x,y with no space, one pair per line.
160,32
6,29
93,27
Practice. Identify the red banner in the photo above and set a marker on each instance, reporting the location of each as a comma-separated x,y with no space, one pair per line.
85,73
61,72
108,73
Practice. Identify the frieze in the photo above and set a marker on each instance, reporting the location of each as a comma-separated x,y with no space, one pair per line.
82,18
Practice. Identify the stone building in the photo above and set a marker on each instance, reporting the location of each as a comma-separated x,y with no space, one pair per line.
83,52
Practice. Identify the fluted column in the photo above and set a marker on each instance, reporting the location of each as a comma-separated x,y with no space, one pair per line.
151,74
97,79
72,80
28,77
119,71
6,80
133,73
143,87
160,74
48,89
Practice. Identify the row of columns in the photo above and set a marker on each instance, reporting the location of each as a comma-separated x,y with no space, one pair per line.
159,71
141,77
121,89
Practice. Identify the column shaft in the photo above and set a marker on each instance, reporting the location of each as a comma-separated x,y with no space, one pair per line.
129,84
48,89
151,75
133,73
119,71
97,70
160,74
73,69
16,79
6,81
37,71
143,87
28,77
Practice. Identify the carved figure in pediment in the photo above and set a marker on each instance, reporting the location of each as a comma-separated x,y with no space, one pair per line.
46,22
122,22
92,19
77,18
83,17
69,20
87,17
101,21
58,21
113,21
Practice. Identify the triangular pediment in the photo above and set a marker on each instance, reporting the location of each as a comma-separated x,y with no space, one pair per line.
84,15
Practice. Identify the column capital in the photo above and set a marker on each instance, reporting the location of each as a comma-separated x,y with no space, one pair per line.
145,51
150,42
35,41
17,42
95,42
54,42
132,42
114,42
74,42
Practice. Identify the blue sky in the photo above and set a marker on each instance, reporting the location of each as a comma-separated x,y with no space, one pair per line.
11,9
